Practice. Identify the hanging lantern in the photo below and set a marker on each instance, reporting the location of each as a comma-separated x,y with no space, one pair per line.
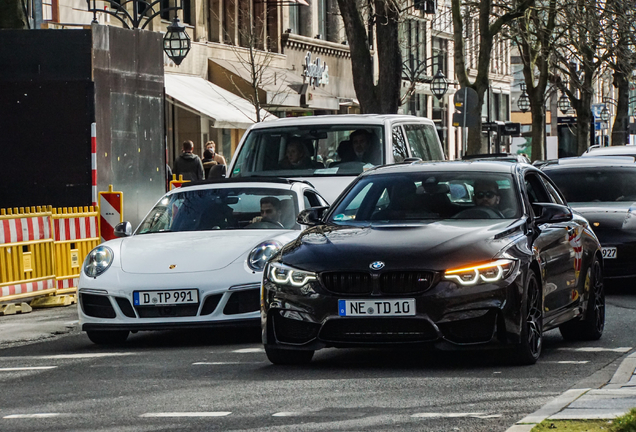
176,42
564,104
523,102
439,85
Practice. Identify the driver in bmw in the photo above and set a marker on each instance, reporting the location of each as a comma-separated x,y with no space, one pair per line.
487,194
270,210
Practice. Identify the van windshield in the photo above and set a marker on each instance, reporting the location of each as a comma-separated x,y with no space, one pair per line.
307,151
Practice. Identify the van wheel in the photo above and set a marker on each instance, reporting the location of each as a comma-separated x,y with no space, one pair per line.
593,323
108,337
527,352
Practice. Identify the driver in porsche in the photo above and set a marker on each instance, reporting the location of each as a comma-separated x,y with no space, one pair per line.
487,194
270,210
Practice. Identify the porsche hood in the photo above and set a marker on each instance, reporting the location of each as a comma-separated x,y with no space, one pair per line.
185,252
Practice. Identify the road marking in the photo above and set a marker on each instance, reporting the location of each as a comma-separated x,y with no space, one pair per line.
224,363
249,350
568,362
24,416
13,369
597,349
287,414
69,356
455,415
188,414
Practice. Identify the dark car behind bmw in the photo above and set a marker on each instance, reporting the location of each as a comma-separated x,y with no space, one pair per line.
458,254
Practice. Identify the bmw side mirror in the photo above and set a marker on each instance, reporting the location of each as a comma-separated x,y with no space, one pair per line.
311,216
551,213
123,229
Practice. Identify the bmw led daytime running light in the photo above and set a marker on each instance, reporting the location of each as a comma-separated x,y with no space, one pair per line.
98,261
490,272
259,256
284,275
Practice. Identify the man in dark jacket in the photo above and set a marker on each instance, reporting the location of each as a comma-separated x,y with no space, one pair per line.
188,165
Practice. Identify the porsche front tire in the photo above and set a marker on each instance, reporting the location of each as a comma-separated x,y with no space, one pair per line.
108,337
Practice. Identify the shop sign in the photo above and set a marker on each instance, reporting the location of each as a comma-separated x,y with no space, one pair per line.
317,72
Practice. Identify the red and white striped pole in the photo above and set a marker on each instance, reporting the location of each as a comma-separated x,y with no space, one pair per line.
94,162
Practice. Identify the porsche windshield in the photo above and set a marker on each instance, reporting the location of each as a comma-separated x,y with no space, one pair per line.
307,151
428,196
596,184
223,209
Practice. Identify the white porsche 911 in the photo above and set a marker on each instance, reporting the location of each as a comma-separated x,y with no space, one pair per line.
196,260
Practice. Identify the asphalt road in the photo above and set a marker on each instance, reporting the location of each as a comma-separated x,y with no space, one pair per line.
220,380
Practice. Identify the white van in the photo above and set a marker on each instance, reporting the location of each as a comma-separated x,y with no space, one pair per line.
330,151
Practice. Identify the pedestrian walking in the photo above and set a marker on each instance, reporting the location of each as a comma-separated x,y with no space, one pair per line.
188,164
211,146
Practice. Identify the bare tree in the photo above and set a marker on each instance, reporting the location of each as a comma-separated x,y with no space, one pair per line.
491,18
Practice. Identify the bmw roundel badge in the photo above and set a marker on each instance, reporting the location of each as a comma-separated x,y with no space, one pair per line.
376,265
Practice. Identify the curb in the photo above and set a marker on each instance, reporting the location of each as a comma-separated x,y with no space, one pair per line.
622,376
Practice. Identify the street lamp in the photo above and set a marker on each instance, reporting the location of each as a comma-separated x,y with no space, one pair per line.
605,114
439,85
176,42
564,104
523,102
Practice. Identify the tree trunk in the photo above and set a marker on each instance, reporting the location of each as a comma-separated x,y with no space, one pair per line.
537,107
12,15
620,134
583,120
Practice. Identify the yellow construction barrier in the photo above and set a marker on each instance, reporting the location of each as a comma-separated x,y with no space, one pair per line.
174,183
75,233
27,268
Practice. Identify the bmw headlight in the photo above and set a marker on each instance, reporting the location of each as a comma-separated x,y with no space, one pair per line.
489,272
259,256
98,261
281,274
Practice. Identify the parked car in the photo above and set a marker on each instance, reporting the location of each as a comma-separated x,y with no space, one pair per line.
502,157
603,190
194,261
454,254
330,151
623,150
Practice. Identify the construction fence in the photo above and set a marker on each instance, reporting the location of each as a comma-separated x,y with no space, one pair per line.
41,253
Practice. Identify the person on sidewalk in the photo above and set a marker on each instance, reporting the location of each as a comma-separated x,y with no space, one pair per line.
211,145
188,164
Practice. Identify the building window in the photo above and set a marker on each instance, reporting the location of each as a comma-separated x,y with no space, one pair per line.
185,15
440,56
294,18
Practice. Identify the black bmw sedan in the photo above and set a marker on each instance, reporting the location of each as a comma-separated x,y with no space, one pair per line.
603,190
452,254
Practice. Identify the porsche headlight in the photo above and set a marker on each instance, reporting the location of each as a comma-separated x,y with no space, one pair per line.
281,274
98,261
259,256
490,272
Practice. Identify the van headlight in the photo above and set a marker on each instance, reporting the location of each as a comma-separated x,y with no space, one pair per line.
98,261
489,272
259,256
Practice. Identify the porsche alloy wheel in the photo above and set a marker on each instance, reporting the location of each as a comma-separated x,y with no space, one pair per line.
111,337
287,357
527,352
593,323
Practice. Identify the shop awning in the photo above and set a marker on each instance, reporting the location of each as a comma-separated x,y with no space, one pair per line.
225,109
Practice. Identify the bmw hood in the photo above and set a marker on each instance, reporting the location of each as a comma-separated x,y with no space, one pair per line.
433,246
185,252
608,215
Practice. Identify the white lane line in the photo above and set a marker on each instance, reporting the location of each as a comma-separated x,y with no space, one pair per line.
188,414
28,416
249,350
597,349
568,361
13,369
456,415
69,356
224,363
287,414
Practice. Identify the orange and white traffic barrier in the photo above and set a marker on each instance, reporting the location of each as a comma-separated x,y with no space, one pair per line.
26,253
76,234
111,206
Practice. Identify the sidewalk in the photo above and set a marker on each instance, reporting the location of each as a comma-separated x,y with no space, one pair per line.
612,400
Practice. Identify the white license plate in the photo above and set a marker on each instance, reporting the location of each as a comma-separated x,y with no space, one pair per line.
609,252
167,297
395,307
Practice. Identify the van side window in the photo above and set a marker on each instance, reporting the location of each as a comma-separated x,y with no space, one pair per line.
399,145
423,141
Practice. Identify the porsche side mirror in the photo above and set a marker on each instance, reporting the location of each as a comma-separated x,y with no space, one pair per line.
123,229
551,213
311,216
